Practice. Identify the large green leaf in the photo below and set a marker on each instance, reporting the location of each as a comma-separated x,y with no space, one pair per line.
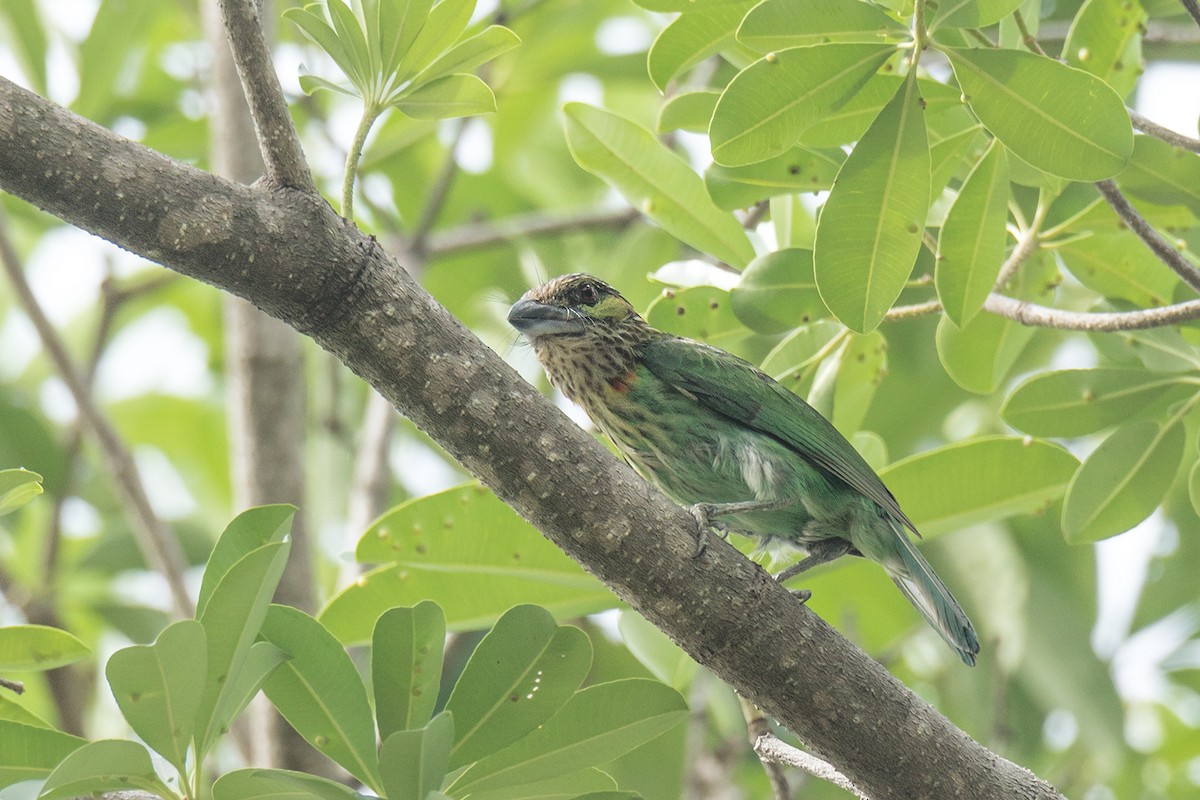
972,13
446,97
320,694
1122,481
445,22
278,784
1106,40
413,762
18,487
692,37
444,547
654,180
971,243
231,620
560,787
778,292
27,648
776,24
1120,266
29,752
764,110
399,23
109,765
861,367
406,666
979,480
689,111
1076,402
797,170
248,531
869,231
470,53
159,687
594,727
1059,119
1162,174
522,672
656,651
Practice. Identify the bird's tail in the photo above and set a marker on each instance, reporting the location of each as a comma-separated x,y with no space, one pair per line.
925,590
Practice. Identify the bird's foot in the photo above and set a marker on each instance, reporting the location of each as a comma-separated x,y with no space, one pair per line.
801,594
703,514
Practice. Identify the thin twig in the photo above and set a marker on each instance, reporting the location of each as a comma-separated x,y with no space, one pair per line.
13,686
1039,316
475,236
773,750
277,139
160,549
1030,40
1154,240
1173,138
758,727
755,215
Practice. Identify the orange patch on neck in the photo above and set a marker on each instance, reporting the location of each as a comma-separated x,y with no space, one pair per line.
621,384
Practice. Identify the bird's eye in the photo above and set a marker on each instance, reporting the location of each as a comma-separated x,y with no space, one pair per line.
588,294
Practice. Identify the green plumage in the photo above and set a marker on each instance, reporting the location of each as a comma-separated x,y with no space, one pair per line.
709,428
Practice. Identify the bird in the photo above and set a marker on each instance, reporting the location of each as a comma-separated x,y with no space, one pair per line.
718,435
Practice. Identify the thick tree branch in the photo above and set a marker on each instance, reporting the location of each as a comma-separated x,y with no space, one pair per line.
277,138
290,254
1193,8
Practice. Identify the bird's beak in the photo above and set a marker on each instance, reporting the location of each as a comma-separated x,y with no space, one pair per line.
540,319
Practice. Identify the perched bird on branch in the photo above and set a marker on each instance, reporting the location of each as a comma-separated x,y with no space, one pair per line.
719,435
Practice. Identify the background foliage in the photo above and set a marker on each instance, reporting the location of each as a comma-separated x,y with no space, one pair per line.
723,125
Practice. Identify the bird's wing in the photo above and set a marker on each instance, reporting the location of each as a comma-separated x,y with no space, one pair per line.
736,389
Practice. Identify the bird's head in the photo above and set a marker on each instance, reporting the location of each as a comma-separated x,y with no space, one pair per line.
571,306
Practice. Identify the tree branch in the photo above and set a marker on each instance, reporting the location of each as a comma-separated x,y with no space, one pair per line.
158,546
1158,245
772,750
329,281
1193,8
1149,126
277,138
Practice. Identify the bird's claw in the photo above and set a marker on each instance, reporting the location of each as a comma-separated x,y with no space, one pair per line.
801,594
703,514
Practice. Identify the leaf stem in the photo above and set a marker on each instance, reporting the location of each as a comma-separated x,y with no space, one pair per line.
371,113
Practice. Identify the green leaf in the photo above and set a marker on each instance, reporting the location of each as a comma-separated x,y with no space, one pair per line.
15,712
1105,40
446,97
687,111
850,120
413,762
399,23
775,24
1076,402
693,36
109,765
655,180
979,355
445,23
700,312
597,725
1059,119
972,13
260,662
560,787
29,752
1162,174
521,673
29,648
1119,265
322,34
861,366
778,292
470,53
869,231
354,47
319,692
231,619
278,784
311,83
979,480
18,487
971,243
1194,486
406,666
248,531
443,546
1122,481
158,688
768,105
801,350
797,170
